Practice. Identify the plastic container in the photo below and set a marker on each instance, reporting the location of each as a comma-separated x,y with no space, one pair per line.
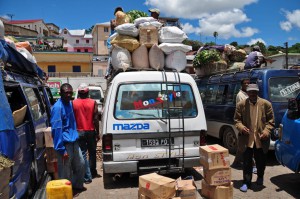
59,189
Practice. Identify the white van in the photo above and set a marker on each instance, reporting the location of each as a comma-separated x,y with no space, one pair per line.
152,121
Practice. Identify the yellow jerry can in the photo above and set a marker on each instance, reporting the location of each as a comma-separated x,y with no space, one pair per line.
59,189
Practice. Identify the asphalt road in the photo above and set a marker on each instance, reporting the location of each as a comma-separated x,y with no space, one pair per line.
279,182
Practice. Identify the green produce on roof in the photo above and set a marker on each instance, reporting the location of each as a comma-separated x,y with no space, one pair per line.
134,14
206,57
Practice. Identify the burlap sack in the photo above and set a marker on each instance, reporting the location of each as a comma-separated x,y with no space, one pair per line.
148,36
121,58
176,60
237,55
156,58
140,57
121,18
130,43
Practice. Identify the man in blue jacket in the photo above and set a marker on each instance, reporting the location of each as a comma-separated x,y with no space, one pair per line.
65,139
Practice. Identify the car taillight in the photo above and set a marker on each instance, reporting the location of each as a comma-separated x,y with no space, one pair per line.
107,143
202,138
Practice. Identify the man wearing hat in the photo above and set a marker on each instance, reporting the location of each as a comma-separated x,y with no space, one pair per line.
254,119
255,59
154,13
86,115
118,9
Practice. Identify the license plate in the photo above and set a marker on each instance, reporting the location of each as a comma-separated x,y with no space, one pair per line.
157,142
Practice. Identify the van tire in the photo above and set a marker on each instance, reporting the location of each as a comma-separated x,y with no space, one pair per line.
230,140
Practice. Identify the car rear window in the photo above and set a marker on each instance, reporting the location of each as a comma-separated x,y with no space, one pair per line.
283,88
154,101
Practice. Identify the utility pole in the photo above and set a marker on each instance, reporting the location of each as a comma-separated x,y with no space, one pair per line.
12,26
286,55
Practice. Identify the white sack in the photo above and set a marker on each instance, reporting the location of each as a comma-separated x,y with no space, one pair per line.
128,29
176,60
171,34
140,20
140,57
120,58
157,24
168,48
156,58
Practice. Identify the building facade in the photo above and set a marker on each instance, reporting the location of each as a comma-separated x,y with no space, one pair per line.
62,64
53,29
100,33
279,60
37,25
77,41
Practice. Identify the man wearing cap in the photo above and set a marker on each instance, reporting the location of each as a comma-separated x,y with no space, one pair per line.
65,139
154,13
86,115
254,119
255,59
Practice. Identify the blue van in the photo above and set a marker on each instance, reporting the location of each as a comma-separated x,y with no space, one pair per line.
218,92
287,147
24,112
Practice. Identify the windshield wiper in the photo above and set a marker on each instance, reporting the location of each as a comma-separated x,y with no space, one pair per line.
152,115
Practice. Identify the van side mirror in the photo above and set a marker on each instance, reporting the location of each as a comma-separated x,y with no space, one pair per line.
102,100
293,112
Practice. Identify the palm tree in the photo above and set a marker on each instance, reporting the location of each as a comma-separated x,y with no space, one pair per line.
215,36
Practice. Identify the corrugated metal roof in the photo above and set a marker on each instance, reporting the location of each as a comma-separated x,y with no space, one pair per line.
23,21
88,36
77,32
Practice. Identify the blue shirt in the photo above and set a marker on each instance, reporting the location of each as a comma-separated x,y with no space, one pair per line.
63,125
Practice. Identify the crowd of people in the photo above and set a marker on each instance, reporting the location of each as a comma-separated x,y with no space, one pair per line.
75,132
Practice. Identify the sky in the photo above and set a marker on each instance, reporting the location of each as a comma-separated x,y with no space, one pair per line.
272,22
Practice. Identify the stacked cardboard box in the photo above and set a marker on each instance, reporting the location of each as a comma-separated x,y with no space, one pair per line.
5,174
216,171
51,157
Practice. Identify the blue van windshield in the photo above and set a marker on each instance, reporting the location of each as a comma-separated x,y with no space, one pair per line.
283,88
149,101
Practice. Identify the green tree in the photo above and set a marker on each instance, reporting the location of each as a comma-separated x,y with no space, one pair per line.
234,43
89,31
295,48
215,36
194,43
262,46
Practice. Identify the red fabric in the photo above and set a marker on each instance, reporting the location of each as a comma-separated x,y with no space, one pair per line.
84,111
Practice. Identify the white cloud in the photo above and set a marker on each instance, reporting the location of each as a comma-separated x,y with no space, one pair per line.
254,41
213,15
293,20
224,23
195,9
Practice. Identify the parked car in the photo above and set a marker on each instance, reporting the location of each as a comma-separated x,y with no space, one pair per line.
287,147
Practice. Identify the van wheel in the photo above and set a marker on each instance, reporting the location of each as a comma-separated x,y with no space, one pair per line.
230,140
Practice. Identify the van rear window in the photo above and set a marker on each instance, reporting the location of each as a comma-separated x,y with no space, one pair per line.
283,88
154,101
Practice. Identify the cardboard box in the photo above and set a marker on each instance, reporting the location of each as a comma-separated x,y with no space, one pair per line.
214,157
217,176
217,192
148,36
48,137
4,192
186,189
142,196
156,186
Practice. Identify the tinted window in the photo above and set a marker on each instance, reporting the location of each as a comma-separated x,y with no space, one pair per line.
283,88
150,101
95,94
211,93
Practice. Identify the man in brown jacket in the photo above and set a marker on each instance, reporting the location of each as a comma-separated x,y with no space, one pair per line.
254,119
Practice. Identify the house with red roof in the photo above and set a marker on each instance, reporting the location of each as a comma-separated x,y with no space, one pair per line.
37,25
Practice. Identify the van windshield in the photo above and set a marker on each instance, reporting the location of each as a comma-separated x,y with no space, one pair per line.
283,88
95,94
154,101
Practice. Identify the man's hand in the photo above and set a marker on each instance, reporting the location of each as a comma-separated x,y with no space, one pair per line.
246,131
97,138
264,135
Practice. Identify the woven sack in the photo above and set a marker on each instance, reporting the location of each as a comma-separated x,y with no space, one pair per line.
156,58
237,55
176,60
140,57
148,36
120,58
121,18
128,42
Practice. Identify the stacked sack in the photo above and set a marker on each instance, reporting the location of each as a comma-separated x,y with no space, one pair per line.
5,174
145,44
224,57
216,171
